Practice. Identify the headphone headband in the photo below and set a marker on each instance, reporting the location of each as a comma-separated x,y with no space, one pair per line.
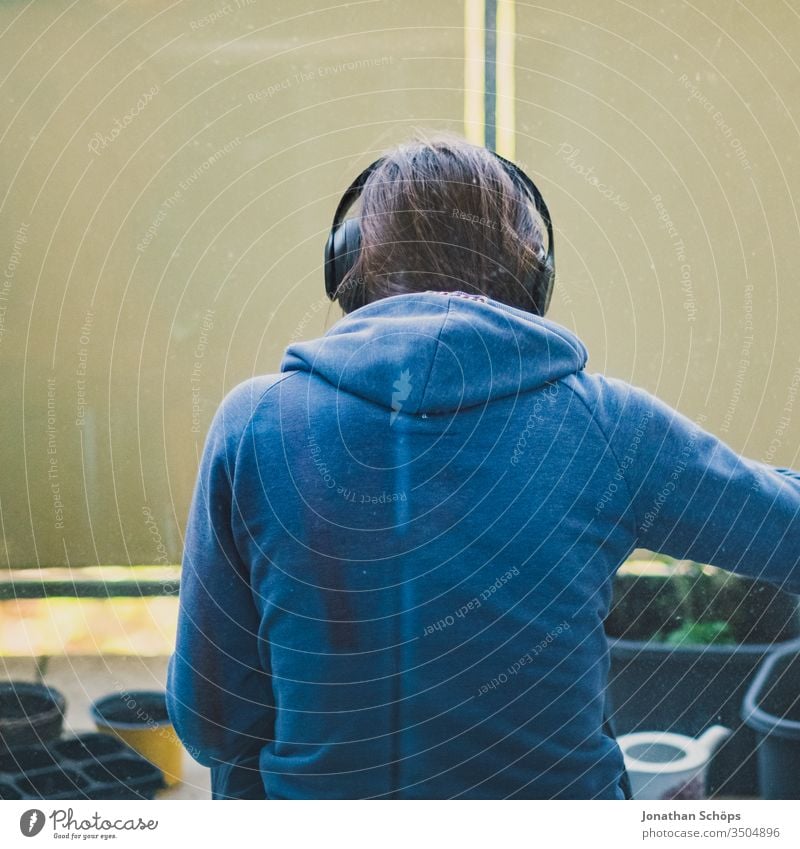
343,244
516,173
354,190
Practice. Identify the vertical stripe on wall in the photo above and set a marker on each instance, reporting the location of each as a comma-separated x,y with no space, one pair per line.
504,76
489,31
490,73
474,62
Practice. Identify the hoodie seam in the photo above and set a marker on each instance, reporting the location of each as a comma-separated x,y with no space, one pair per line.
557,330
279,378
548,325
593,417
551,327
566,351
435,357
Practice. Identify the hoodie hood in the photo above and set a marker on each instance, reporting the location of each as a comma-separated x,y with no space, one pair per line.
438,352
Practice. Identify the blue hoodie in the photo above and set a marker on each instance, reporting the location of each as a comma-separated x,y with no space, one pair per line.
400,551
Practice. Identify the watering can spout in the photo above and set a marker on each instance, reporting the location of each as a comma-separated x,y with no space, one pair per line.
712,738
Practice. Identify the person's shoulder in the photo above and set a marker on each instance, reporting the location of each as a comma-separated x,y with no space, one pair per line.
247,394
617,404
600,389
241,403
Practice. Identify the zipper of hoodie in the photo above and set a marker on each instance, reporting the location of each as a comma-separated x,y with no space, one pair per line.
402,603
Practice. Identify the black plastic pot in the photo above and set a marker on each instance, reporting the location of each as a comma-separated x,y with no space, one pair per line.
89,766
687,689
23,759
88,747
771,708
125,777
137,709
29,713
57,782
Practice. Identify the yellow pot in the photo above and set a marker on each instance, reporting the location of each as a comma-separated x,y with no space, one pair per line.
139,718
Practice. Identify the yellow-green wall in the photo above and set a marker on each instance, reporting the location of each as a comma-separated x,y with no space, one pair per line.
179,255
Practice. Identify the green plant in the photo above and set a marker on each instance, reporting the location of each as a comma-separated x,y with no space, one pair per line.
701,632
687,603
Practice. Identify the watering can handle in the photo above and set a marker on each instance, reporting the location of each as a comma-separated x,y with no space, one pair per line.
713,737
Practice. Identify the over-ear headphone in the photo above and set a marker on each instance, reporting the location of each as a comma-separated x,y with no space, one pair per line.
344,240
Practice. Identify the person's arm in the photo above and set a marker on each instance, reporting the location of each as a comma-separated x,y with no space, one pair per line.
219,697
694,497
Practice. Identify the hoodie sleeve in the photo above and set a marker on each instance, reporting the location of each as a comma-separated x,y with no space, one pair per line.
695,498
218,694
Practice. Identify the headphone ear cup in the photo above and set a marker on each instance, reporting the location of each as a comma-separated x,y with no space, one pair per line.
346,246
540,285
331,283
548,283
344,240
335,262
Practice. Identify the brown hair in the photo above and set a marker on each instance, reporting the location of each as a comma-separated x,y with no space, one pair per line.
440,213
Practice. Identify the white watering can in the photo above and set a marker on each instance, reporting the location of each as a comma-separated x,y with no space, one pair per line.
662,765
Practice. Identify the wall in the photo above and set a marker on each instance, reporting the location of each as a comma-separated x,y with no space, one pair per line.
168,172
